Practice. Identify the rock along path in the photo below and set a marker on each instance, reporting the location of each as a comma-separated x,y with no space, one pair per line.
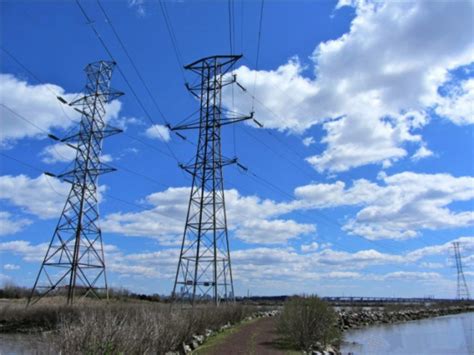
258,337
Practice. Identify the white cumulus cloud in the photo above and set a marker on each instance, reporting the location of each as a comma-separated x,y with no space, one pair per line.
458,104
272,231
62,153
373,85
421,153
309,247
11,267
10,225
253,219
38,104
401,207
158,131
308,141
42,196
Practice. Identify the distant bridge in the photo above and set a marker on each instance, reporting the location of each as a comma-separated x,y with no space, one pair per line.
360,299
352,299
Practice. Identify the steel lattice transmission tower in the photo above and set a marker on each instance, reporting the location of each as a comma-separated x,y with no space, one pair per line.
462,290
204,269
74,262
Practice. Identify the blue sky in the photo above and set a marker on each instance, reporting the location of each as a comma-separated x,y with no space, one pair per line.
359,181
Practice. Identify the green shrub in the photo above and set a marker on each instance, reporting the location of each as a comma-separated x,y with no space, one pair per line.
308,322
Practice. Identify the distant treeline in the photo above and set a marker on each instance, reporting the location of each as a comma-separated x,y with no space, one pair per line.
12,291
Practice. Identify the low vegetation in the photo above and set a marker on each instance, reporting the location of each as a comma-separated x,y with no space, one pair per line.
118,327
10,290
308,323
139,329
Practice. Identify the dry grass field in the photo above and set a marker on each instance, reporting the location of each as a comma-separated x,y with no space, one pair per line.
129,327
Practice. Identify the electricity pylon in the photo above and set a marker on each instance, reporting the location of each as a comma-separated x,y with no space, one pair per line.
204,269
462,290
74,262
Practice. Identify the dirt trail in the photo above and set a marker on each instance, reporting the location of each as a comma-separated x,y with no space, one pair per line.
257,338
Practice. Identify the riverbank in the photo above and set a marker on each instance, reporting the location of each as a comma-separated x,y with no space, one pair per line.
115,327
352,319
451,334
235,339
176,330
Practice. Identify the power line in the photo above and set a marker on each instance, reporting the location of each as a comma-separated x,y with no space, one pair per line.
24,118
22,162
258,49
241,26
289,148
114,164
230,10
234,136
172,35
258,44
253,175
109,21
270,133
231,18
18,62
342,246
274,187
130,171
33,168
139,207
147,114
48,87
275,137
247,132
145,143
34,76
281,191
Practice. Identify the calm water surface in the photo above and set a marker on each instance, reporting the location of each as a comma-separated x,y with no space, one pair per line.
447,335
24,344
453,334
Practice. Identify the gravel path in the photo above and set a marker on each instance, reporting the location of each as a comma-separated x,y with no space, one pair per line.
254,338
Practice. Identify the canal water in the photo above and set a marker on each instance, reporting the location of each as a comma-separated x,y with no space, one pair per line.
25,344
448,335
453,334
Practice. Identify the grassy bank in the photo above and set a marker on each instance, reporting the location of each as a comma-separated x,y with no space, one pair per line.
118,327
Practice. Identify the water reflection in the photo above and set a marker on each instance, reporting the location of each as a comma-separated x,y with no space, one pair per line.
452,334
25,344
